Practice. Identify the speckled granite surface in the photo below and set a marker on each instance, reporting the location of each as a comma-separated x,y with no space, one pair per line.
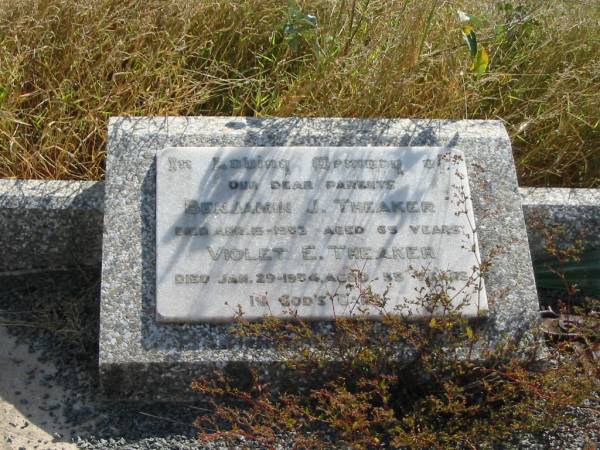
574,214
136,352
50,224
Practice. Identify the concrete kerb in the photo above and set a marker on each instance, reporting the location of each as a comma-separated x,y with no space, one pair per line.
576,210
50,224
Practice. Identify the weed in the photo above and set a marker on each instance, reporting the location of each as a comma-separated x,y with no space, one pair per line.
392,383
572,318
396,382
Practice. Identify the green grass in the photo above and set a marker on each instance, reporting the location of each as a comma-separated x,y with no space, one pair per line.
68,65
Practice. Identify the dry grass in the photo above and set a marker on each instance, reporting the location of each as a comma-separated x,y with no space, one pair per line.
67,65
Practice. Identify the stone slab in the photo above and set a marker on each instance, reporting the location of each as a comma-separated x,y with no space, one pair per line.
141,357
302,231
575,212
50,224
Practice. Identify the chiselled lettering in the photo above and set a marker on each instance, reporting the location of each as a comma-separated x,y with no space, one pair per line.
246,254
193,207
349,252
308,230
394,207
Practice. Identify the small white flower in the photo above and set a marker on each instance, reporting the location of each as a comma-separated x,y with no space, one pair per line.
463,16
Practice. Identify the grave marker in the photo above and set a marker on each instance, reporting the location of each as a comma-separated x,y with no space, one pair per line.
145,358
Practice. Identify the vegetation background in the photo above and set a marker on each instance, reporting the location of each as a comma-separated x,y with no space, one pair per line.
68,65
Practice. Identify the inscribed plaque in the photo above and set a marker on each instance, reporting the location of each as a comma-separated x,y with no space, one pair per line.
314,231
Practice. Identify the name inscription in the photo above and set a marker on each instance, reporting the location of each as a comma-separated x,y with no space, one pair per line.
306,230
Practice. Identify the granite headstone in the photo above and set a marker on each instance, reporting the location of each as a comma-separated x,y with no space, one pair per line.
144,355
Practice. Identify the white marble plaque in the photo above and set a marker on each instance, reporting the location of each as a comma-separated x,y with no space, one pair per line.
314,231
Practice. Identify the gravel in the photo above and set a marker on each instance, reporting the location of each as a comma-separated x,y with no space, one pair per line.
60,310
